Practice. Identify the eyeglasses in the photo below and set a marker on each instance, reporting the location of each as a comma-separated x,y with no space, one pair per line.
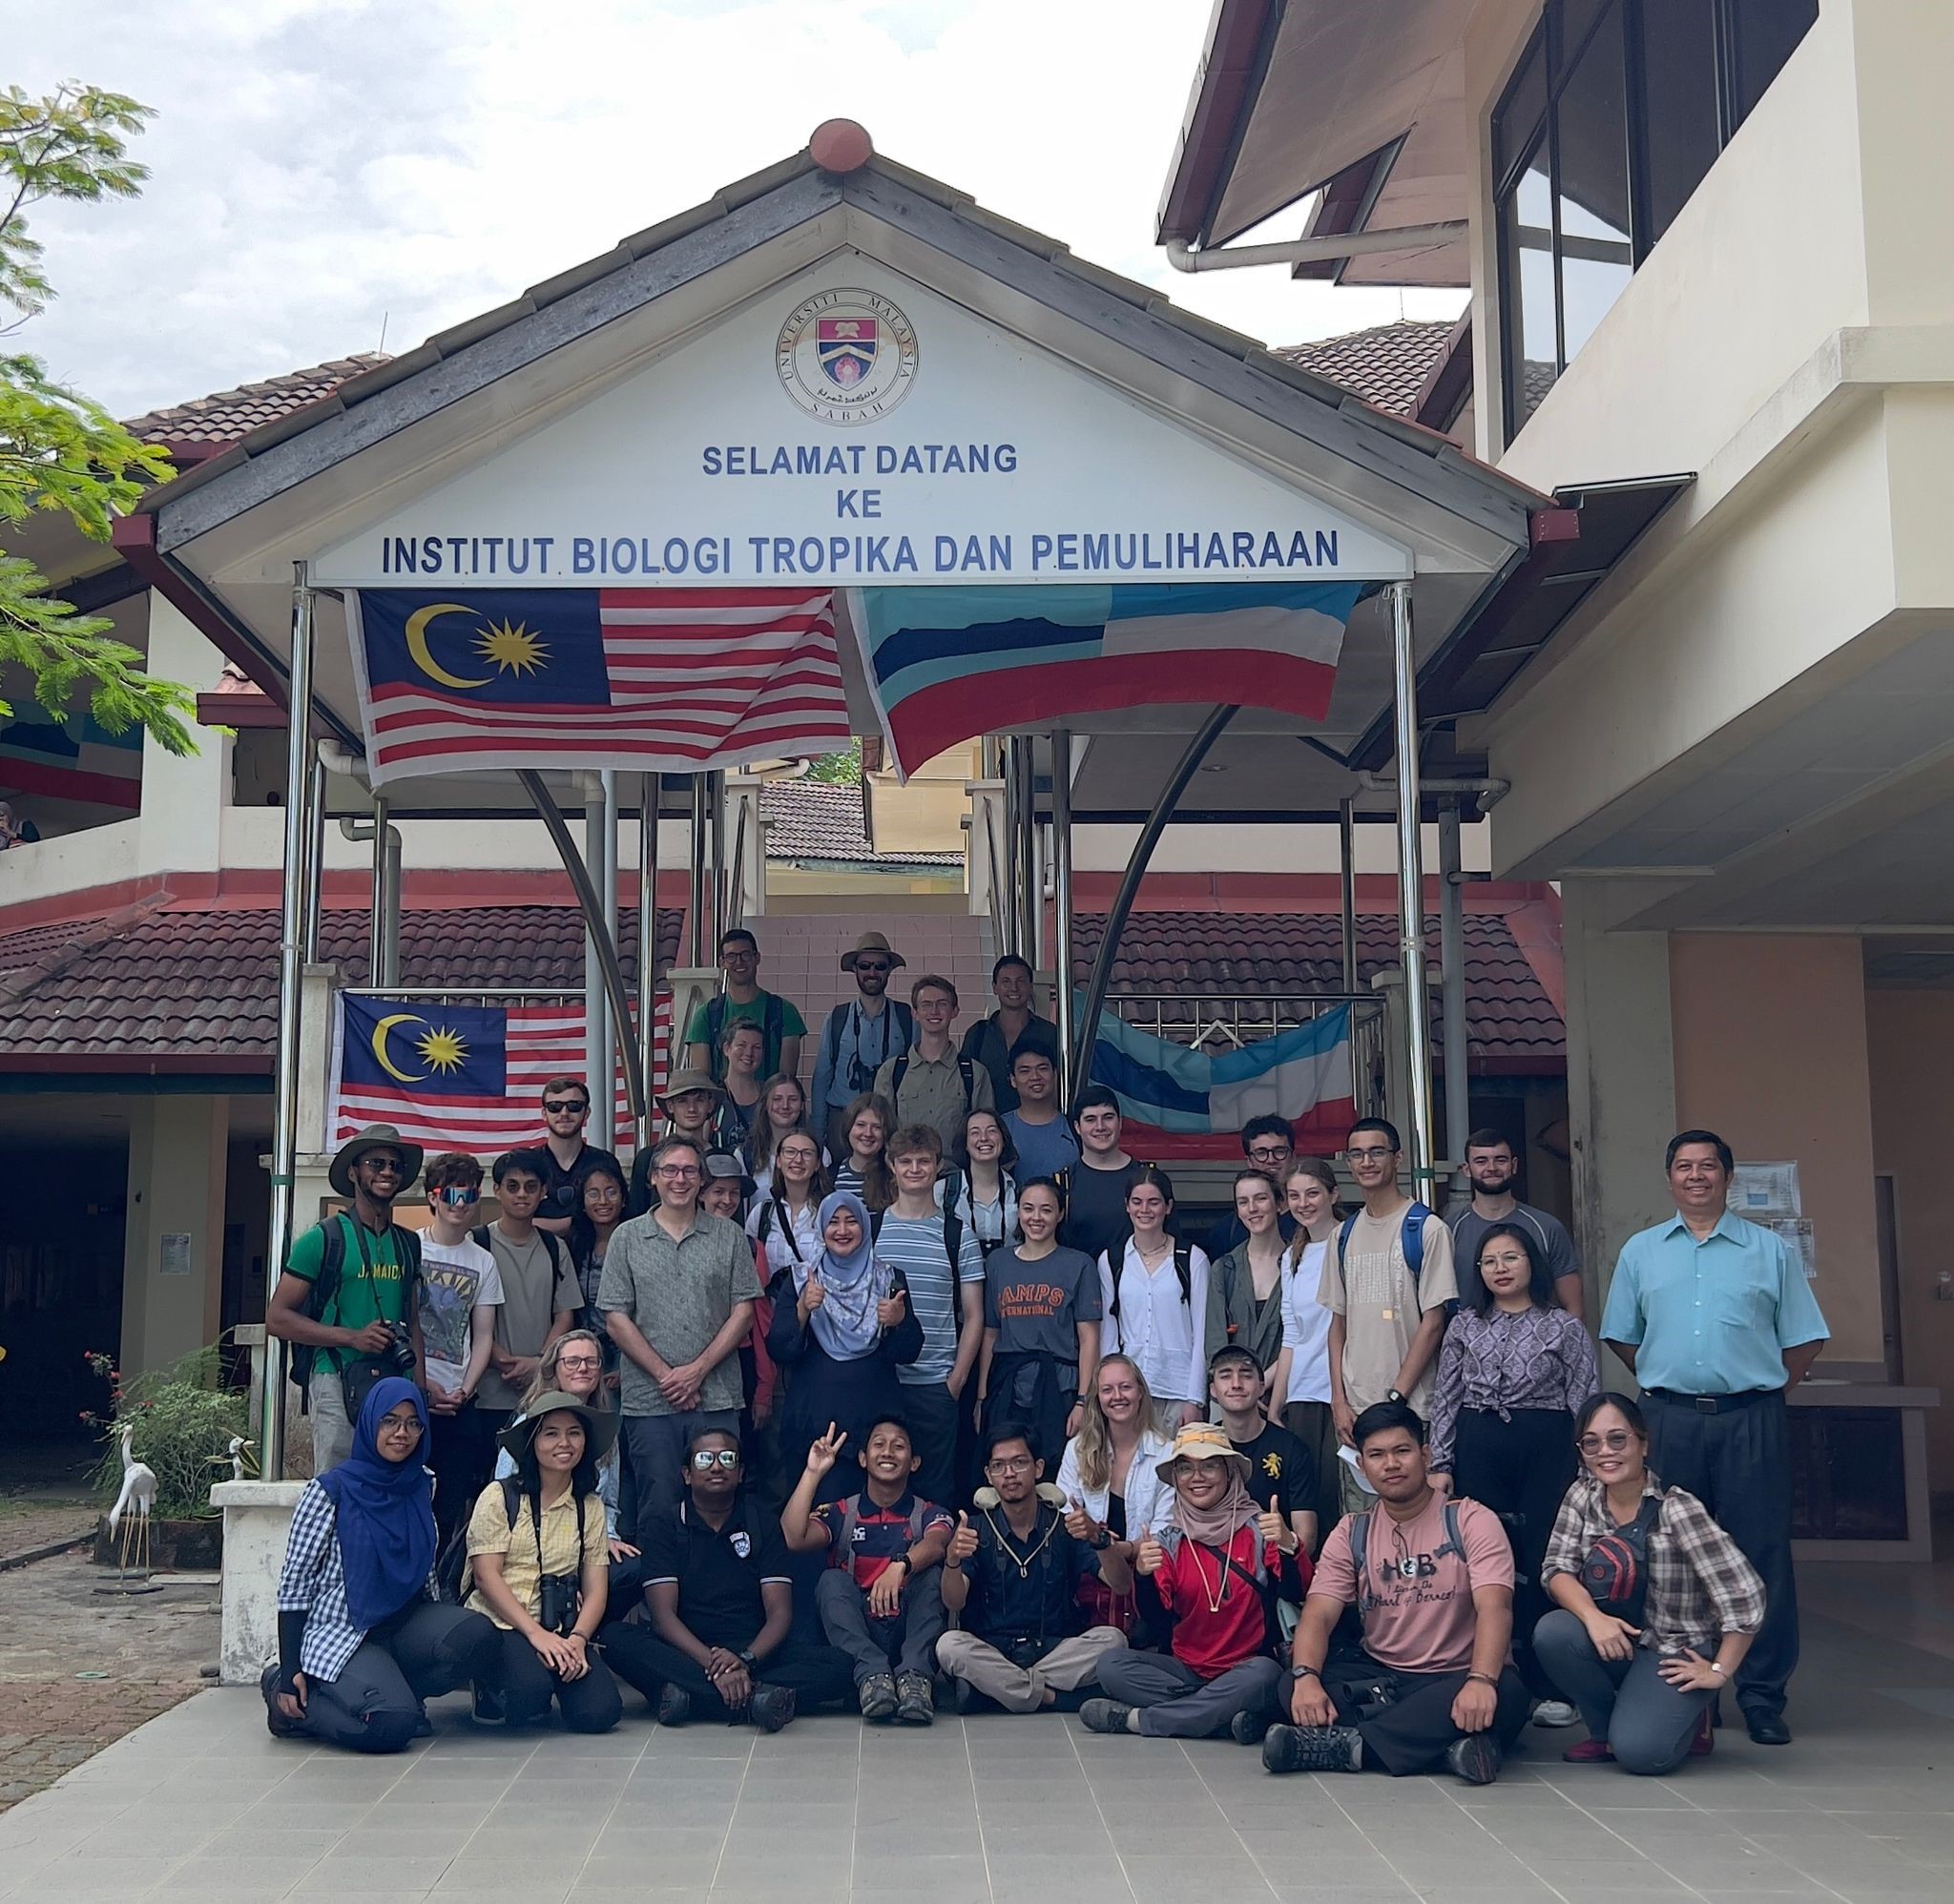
579,1362
797,1155
677,1172
562,1106
1269,1153
1376,1157
1008,1464
705,1459
391,1425
1592,1444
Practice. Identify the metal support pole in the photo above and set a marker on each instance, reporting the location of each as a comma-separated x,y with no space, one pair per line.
1009,875
284,1138
376,922
1452,959
1205,737
1062,897
1346,845
649,788
1030,873
578,874
1411,892
724,901
597,1070
695,910
314,877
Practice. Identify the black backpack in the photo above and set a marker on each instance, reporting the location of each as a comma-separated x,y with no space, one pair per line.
773,1025
451,1574
552,1248
952,1233
325,1286
1183,1268
966,1070
1360,1548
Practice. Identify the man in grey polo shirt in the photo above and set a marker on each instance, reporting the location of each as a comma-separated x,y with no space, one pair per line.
677,1295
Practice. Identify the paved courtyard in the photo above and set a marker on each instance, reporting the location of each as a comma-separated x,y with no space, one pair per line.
201,1804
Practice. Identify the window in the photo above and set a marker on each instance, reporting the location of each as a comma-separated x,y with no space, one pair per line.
1615,112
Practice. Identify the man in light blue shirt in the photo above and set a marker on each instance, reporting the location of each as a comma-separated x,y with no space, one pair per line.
1715,1318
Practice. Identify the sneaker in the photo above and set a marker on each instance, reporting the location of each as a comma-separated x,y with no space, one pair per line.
1703,1740
674,1706
424,1727
275,1722
1248,1728
1589,1751
914,1706
1554,1713
1313,1749
952,1694
772,1707
1104,1715
1475,1758
876,1694
488,1709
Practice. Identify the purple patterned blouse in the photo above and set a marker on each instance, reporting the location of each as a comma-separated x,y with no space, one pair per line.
1498,1362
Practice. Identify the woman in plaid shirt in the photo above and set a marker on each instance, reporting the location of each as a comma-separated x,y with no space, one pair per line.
1678,1604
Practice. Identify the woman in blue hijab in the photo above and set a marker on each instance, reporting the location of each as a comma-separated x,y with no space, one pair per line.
362,1638
842,1323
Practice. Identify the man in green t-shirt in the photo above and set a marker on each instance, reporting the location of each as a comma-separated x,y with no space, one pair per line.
373,1296
778,1019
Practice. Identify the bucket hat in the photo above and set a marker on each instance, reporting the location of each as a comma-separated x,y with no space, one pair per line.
871,942
683,1080
724,1165
601,1425
1202,1442
375,1137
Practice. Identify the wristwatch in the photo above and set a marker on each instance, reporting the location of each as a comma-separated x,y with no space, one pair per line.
1392,1395
1304,1673
744,1655
1102,1539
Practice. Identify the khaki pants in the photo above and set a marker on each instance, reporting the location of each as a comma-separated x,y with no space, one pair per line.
1069,1666
332,1433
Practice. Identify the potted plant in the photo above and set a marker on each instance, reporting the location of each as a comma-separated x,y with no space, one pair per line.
183,1419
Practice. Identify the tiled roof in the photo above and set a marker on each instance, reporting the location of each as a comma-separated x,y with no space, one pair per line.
158,985
1386,364
1510,1017
817,820
226,415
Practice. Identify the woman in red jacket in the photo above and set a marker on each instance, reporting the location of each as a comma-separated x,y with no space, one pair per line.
1216,1569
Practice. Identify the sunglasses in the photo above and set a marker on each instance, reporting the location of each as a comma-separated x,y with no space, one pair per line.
557,1107
1594,1444
456,1198
873,967
705,1459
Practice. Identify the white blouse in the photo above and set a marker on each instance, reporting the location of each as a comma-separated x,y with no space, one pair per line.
1166,1336
1306,1326
1144,1488
779,1251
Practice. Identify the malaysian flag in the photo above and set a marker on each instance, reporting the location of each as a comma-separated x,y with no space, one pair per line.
462,1077
656,680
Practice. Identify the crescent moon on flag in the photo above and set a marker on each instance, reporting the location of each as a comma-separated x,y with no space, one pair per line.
417,645
387,1064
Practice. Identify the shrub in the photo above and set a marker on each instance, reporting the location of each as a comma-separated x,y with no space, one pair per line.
184,1419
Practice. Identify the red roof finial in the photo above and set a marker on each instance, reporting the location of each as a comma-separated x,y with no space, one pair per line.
840,146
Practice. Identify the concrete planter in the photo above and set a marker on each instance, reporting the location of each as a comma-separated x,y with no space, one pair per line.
257,1519
175,1547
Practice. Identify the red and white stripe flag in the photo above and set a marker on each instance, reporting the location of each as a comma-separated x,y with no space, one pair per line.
651,680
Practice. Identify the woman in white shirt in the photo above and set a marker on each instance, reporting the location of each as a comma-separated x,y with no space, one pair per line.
1298,1385
985,1198
1111,1481
786,1219
1155,1303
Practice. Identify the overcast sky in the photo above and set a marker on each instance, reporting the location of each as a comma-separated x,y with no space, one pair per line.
322,168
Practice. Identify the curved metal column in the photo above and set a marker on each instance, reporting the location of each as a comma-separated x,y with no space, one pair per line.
1411,892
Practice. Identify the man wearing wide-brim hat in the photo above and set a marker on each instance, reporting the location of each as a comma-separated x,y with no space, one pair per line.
861,1034
689,1105
348,1293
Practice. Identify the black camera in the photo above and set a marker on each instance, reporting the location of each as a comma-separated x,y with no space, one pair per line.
397,1356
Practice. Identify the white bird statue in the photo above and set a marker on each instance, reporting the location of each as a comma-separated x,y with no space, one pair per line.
137,1499
242,1457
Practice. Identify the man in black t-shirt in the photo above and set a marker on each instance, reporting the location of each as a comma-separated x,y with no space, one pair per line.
1096,1187
720,1645
566,1111
1280,1465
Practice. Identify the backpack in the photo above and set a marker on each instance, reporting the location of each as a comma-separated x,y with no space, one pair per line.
453,1577
765,1229
955,1184
773,1025
952,1234
1183,1268
1360,1548
551,1247
860,1079
966,1070
851,1520
1411,1235
325,1288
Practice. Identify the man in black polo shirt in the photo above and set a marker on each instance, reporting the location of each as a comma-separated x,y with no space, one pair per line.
720,1643
1013,1576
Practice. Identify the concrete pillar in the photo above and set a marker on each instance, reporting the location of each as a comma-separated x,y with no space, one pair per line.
172,1248
184,800
258,1523
1621,1074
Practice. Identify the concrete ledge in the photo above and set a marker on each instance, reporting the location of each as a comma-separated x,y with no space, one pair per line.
258,1521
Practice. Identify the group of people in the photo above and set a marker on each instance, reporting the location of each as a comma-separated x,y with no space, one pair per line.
913,1392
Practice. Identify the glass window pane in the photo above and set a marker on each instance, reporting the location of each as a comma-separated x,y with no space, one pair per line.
1679,82
1531,353
1577,19
1517,123
1765,31
1591,126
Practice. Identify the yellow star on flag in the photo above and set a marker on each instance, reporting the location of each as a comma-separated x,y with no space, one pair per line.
443,1050
514,648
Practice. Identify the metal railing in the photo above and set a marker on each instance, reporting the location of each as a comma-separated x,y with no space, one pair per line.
1215,1022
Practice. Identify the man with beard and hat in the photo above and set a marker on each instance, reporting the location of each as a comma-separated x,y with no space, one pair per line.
861,1034
347,1300
1493,1171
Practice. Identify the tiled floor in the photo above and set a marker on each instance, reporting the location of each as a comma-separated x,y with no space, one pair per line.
201,1804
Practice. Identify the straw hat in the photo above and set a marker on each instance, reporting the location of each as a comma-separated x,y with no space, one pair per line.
375,1137
871,942
1202,1442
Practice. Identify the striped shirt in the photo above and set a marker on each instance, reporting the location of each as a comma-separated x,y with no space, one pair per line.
313,1583
915,1246
1700,1586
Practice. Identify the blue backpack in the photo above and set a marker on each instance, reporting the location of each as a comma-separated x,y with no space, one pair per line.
1412,1236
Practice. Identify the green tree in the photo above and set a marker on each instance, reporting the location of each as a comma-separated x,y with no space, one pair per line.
837,770
58,450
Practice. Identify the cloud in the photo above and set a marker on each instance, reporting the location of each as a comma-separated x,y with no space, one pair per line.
322,168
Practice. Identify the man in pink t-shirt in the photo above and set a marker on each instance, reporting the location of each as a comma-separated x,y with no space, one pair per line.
1432,1581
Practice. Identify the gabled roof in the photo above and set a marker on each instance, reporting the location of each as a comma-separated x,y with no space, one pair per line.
224,416
817,822
1387,365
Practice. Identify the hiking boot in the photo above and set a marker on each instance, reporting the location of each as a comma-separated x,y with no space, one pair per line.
877,1695
488,1708
1475,1758
1703,1740
1589,1751
1104,1715
914,1706
1248,1728
1554,1713
772,1707
952,1694
1313,1749
674,1706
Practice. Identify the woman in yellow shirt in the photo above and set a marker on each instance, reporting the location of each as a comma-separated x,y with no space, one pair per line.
538,1562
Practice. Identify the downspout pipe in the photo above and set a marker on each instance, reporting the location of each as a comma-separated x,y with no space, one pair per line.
1329,248
384,959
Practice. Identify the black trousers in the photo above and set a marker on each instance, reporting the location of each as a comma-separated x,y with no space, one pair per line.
817,1675
932,1412
1520,1469
460,1452
591,1704
1737,1462
1415,1731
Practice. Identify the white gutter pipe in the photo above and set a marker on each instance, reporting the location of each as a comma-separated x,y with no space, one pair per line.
1328,248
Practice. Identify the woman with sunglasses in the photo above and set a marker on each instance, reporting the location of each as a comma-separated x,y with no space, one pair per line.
1655,1604
362,1638
459,1290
